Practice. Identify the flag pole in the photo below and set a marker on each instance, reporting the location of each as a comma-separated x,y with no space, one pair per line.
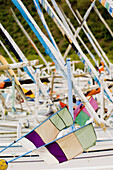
13,94
70,98
38,8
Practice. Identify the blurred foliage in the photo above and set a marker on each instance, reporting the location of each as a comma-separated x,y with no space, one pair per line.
97,27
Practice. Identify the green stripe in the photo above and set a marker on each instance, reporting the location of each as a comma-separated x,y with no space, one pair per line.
66,116
57,122
62,119
86,136
82,118
107,5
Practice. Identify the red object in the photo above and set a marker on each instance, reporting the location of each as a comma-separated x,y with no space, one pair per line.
63,104
2,85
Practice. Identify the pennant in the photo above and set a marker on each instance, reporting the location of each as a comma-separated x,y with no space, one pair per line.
65,105
62,104
69,146
48,130
82,118
81,115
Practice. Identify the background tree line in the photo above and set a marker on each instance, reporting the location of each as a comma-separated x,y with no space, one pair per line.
97,27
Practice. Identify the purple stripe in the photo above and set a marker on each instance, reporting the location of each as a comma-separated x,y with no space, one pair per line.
35,139
57,152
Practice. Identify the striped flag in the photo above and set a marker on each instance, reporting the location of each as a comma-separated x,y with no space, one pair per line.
68,146
48,130
81,115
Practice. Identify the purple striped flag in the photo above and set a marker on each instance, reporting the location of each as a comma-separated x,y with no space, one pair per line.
68,146
48,130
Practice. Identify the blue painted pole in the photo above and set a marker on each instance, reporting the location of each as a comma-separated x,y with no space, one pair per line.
13,94
70,96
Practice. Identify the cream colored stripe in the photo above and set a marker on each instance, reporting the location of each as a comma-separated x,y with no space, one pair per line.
70,146
47,131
